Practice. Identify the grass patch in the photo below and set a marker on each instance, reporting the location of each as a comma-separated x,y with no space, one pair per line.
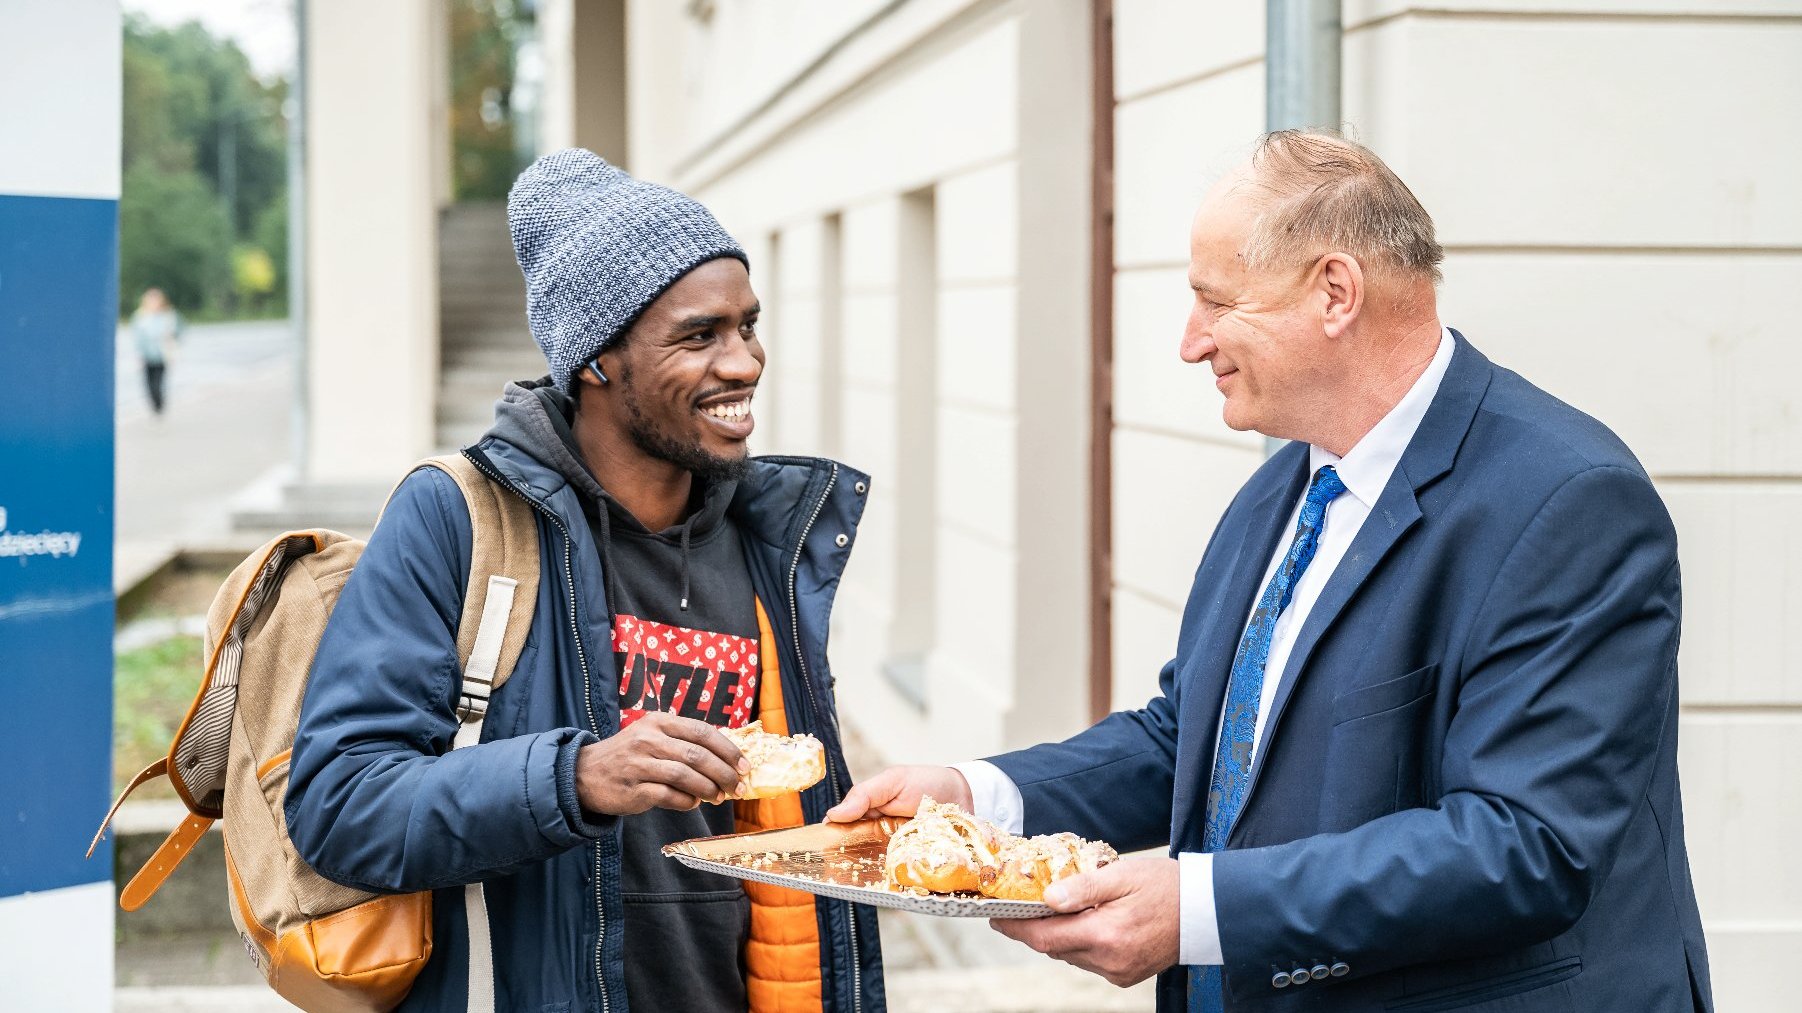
152,688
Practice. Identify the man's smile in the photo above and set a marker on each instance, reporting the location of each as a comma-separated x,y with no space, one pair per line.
731,413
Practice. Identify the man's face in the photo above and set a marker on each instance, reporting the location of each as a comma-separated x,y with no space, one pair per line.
1258,330
687,369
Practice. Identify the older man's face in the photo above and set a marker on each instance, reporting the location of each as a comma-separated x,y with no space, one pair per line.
1257,330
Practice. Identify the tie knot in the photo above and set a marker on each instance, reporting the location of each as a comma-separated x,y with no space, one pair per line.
1326,487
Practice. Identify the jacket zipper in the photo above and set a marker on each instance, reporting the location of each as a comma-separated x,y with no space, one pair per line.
794,614
569,579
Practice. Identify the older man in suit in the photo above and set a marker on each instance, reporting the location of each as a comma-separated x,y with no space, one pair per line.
1417,749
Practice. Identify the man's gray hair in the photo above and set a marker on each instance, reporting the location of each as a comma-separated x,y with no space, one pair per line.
1326,194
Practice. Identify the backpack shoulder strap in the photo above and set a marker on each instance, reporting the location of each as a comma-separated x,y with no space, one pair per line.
497,613
503,582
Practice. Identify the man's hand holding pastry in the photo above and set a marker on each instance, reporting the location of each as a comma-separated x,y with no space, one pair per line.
662,760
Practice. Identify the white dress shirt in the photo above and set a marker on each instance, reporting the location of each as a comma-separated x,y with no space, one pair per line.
1365,470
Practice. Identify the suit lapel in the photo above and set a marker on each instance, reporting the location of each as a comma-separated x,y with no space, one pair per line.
1210,648
1429,456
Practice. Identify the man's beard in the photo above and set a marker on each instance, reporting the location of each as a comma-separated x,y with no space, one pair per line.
687,455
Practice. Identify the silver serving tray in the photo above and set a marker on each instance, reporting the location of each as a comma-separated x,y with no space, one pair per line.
843,861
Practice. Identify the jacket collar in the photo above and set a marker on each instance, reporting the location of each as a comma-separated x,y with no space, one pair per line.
773,504
1271,494
1429,456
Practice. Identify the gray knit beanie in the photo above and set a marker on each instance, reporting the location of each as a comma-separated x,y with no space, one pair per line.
597,247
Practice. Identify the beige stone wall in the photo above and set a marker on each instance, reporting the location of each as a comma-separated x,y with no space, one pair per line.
896,241
375,174
1616,184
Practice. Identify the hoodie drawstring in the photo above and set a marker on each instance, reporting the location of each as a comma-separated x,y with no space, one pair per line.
686,526
607,559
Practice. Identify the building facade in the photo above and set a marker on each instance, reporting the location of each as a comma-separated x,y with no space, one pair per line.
920,183
968,224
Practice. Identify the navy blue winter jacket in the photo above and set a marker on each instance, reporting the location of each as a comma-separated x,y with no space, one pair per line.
377,800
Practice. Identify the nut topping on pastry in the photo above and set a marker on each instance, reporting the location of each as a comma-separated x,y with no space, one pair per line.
946,850
1029,864
942,849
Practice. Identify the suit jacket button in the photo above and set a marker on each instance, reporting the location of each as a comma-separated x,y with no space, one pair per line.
1279,980
1299,976
1319,971
1339,969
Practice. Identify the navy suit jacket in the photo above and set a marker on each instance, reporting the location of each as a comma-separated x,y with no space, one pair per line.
1467,791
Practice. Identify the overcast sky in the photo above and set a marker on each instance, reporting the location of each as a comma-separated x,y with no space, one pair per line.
263,29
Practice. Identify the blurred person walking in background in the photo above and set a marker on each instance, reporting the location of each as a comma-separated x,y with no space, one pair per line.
156,327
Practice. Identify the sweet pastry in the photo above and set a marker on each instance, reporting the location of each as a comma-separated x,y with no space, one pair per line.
946,850
779,763
1027,865
942,850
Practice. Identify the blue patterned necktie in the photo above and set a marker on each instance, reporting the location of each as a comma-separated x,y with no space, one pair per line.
1244,695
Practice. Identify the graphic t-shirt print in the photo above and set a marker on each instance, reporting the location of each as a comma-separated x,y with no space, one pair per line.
698,674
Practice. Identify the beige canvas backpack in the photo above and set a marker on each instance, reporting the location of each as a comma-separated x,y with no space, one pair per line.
325,947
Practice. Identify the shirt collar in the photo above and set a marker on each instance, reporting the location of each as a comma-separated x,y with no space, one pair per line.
1366,468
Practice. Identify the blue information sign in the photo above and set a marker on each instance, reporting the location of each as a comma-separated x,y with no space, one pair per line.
58,304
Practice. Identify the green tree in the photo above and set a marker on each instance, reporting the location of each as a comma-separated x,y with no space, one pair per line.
198,126
271,235
173,234
485,35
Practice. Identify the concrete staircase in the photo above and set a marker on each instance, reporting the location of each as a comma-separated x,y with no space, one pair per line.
484,341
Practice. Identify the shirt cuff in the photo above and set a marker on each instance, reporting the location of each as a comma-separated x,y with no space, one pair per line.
1198,933
994,796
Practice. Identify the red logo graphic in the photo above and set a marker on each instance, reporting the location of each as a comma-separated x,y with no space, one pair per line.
695,673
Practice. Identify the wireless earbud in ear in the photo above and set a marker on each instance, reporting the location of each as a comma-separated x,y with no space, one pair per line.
596,367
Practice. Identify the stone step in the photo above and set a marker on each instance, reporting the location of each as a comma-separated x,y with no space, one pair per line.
494,357
483,318
199,999
455,436
277,503
499,330
476,292
458,372
465,414
484,225
476,387
497,262
508,334
469,400
484,341
466,259
491,277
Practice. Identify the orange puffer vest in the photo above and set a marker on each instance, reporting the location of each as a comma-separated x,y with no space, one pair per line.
782,957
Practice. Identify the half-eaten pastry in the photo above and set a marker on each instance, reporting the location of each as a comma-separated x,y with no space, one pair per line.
779,763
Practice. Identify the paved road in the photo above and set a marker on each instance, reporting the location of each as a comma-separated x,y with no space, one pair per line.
225,423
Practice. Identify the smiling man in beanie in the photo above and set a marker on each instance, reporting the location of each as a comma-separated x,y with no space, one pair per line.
685,587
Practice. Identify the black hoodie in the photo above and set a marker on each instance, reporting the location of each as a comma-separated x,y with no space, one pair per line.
685,640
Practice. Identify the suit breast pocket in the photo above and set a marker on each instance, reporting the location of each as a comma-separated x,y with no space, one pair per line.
1376,750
